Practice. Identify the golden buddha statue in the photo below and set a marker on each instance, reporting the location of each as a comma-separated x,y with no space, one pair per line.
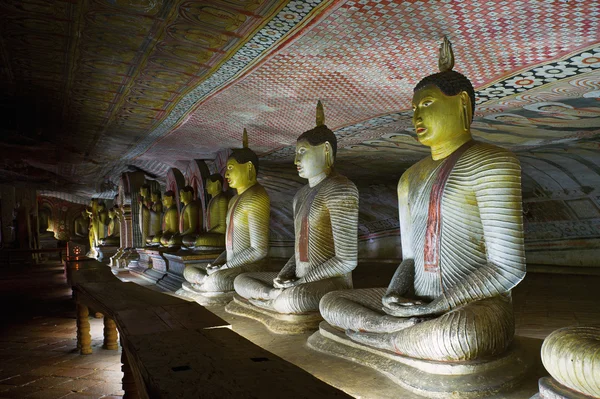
114,229
462,242
216,213
247,235
190,219
326,228
144,211
156,215
170,222
81,225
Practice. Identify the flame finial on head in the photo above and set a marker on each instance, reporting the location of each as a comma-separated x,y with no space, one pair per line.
245,139
320,114
446,58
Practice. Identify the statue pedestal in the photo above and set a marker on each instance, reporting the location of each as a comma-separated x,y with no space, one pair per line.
152,265
278,323
123,258
429,378
552,389
205,298
105,252
179,260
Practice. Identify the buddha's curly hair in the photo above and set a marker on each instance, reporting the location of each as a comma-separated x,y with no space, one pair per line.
243,155
450,83
320,135
188,189
216,177
170,193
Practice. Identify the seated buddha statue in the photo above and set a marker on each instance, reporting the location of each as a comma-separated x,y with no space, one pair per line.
144,211
325,224
190,219
462,240
81,225
156,215
247,235
170,222
114,229
216,213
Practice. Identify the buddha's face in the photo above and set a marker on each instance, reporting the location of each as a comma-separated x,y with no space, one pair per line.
186,196
311,160
167,201
143,192
438,117
111,213
238,174
213,187
155,197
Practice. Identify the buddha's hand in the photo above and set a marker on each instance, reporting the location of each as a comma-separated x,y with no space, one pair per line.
284,282
396,299
212,268
417,309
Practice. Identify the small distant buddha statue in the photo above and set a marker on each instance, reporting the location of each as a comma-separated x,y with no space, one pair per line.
462,240
247,235
101,221
144,211
81,224
216,213
114,229
170,222
156,215
326,228
190,219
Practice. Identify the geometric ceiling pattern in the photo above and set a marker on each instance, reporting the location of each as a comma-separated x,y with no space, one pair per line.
95,87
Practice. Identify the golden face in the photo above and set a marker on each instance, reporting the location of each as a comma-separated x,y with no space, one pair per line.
237,174
167,201
213,187
143,192
154,197
111,213
437,117
186,197
310,160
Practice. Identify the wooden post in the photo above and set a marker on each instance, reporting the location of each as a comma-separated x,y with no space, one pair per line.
110,334
84,339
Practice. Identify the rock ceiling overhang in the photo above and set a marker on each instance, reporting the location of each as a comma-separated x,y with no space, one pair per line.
147,83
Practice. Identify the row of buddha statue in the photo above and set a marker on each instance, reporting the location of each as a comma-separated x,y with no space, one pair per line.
461,226
163,225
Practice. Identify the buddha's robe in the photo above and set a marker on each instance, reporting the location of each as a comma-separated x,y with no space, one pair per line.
462,239
326,226
216,224
247,242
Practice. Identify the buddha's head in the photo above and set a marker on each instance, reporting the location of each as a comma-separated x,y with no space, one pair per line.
214,184
101,207
443,103
155,196
316,149
112,212
186,194
242,167
144,190
168,199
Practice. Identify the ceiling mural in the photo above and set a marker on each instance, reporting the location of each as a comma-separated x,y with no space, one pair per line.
92,88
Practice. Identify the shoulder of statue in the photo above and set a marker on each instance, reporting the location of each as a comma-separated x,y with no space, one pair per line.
338,187
488,156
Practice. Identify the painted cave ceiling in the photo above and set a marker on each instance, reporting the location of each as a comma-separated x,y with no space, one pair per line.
91,88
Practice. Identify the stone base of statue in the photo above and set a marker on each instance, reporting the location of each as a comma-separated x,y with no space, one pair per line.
142,263
123,258
105,252
432,379
278,323
159,265
180,259
552,389
205,298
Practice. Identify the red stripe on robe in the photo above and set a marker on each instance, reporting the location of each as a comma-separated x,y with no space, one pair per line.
230,226
434,218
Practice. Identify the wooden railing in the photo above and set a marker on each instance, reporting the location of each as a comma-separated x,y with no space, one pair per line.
173,348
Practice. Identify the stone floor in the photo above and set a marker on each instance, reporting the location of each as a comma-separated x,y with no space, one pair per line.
38,356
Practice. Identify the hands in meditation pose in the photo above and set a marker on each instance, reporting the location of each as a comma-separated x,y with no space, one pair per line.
462,241
325,225
247,235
